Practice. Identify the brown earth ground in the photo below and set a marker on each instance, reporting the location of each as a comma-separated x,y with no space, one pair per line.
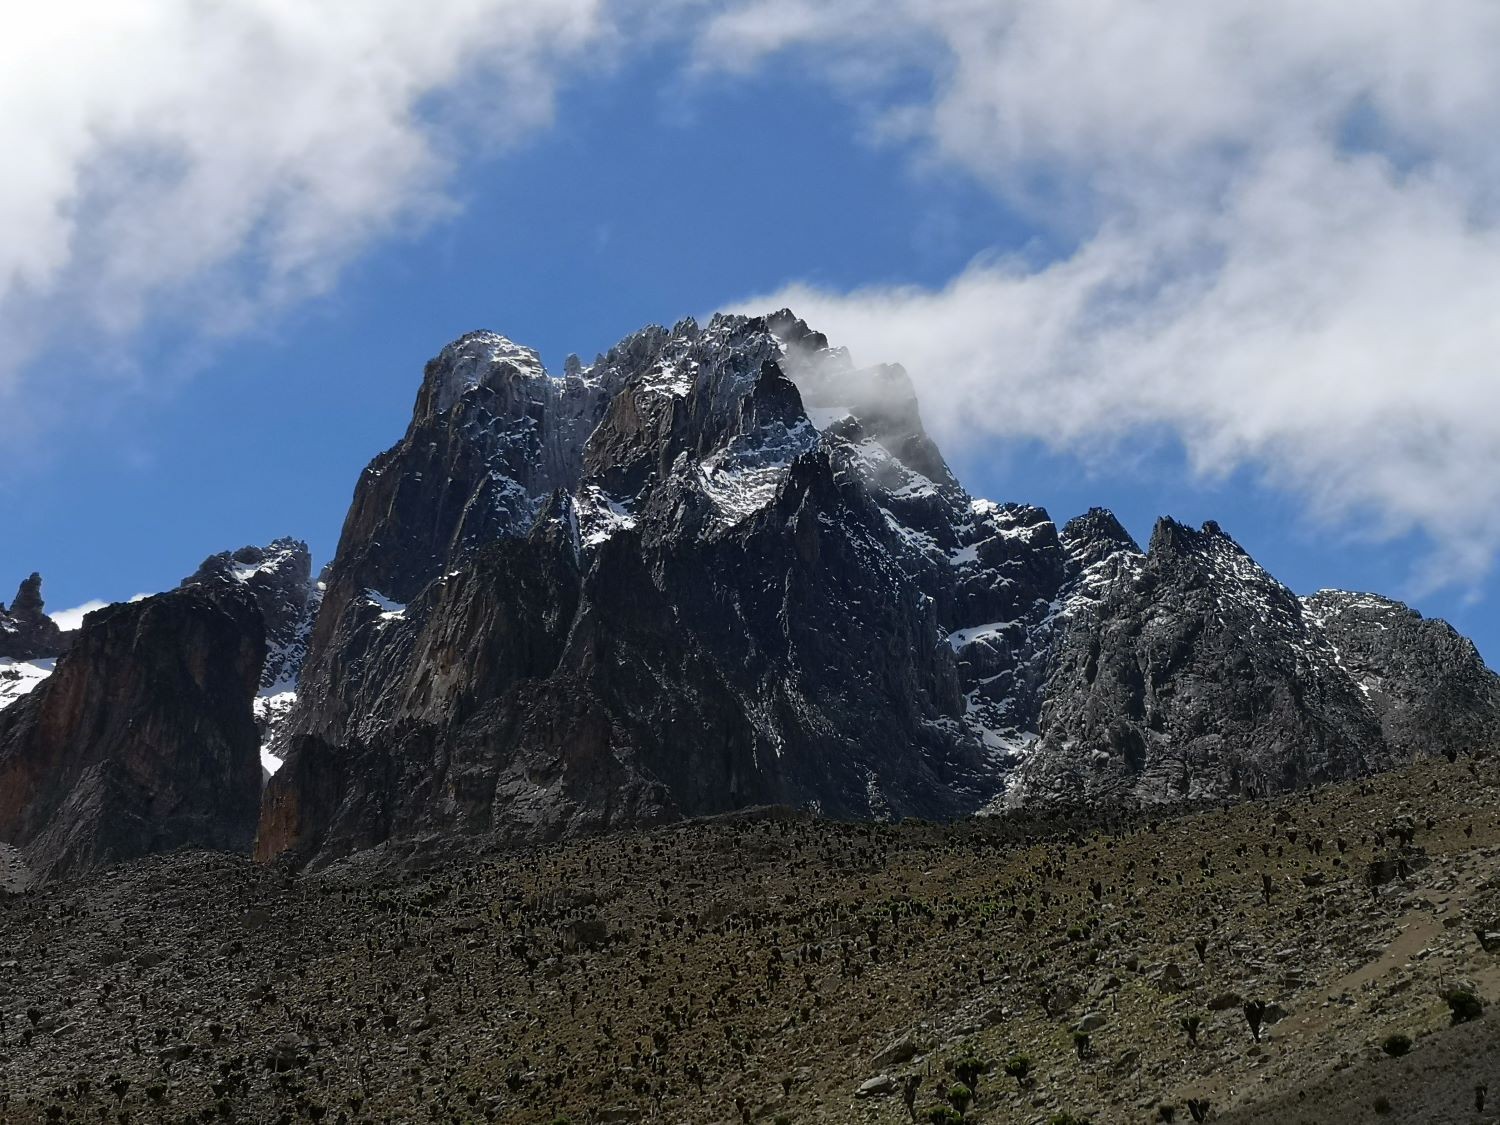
766,967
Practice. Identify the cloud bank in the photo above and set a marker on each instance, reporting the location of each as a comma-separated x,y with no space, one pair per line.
1281,220
169,154
1284,244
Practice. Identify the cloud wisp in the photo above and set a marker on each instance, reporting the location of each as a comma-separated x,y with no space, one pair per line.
1285,232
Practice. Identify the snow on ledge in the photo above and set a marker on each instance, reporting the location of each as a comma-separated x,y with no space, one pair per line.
960,637
390,611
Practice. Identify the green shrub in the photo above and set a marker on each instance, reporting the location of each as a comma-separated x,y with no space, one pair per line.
1464,1004
959,1097
1396,1045
969,1069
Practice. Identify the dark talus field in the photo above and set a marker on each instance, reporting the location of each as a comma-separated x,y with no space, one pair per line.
774,967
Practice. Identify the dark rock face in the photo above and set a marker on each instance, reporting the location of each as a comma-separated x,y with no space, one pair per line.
142,740
26,632
279,577
1426,684
1189,672
724,566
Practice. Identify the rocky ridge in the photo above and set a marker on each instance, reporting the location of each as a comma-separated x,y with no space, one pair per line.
724,566
30,642
26,632
279,577
142,739
1425,684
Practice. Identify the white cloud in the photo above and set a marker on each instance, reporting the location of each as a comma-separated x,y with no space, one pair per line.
225,158
72,618
1283,216
1285,221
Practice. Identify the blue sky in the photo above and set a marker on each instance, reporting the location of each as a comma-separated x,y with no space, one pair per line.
1056,327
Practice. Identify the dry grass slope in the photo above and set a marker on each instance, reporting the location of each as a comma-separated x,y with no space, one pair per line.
769,967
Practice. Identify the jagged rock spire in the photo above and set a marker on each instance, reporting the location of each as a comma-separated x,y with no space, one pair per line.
26,632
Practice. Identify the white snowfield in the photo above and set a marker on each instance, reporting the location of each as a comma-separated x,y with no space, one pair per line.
19,677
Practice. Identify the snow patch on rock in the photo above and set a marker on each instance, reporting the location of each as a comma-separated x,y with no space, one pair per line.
389,610
600,516
21,677
271,707
476,356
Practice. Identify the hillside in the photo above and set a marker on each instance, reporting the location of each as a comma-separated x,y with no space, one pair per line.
768,966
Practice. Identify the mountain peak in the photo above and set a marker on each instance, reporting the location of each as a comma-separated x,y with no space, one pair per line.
723,566
477,359
279,577
1096,535
793,331
28,602
1172,538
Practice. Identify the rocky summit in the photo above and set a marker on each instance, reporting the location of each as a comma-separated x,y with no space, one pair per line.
719,567
723,566
675,739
